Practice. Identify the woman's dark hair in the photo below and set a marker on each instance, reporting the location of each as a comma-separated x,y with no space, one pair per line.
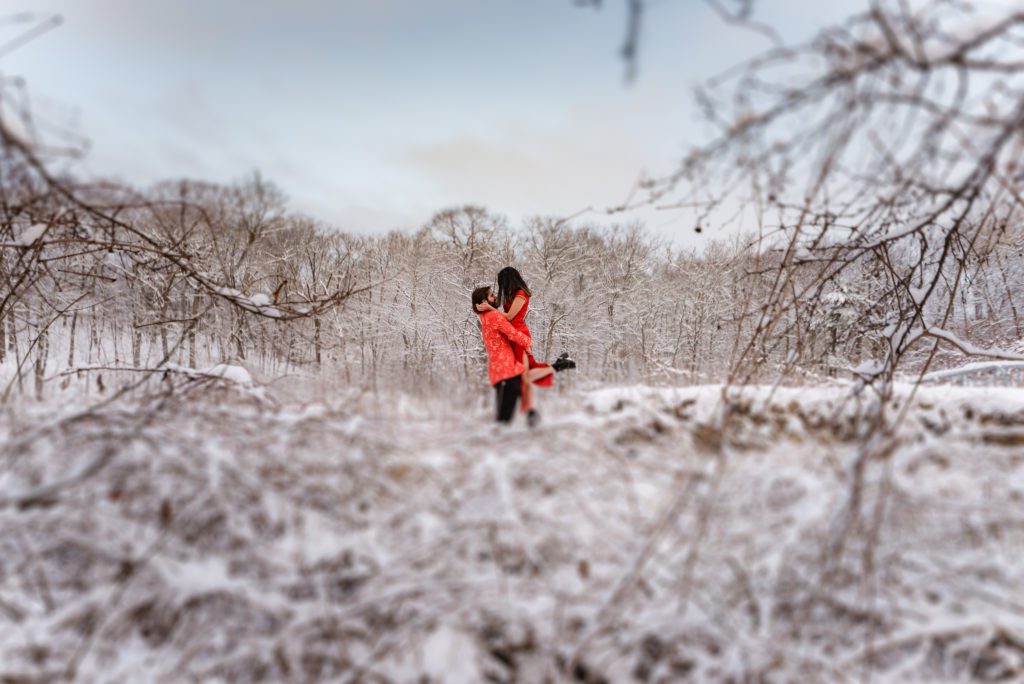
510,282
480,296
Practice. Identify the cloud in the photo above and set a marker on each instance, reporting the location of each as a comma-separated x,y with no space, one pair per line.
355,218
199,26
368,117
587,159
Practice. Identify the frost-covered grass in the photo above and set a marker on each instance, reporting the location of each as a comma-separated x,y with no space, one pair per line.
631,537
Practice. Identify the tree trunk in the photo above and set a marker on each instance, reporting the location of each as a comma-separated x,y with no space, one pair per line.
316,338
42,350
71,343
237,335
114,334
136,348
192,333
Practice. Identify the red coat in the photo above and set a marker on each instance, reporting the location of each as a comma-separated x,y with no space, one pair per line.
498,334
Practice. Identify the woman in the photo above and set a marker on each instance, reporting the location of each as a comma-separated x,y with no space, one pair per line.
514,296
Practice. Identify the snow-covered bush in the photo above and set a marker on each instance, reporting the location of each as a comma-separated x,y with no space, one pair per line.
633,537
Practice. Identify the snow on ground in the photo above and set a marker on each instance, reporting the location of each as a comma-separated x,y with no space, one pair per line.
633,536
29,236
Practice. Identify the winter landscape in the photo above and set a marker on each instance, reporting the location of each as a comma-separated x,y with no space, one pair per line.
241,442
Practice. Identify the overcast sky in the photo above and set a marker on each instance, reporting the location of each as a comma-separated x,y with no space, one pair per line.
373,114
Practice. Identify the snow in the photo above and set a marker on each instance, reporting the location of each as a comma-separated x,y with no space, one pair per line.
229,372
918,294
868,368
447,655
258,303
29,236
972,368
973,349
372,539
835,299
14,125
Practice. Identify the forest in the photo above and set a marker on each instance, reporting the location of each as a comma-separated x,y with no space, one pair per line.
238,443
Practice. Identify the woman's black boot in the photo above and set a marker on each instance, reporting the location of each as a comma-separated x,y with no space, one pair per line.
563,362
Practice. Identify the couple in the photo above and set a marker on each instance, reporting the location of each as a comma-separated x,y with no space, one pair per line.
511,368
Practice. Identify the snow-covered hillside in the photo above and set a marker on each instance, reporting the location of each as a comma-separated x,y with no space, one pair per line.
631,537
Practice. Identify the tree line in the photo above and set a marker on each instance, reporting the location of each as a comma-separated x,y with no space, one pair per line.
104,283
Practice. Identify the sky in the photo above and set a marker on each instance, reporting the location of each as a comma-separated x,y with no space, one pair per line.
372,115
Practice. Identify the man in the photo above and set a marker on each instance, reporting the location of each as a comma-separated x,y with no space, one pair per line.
504,370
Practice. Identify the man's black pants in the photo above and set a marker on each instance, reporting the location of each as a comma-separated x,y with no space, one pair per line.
507,396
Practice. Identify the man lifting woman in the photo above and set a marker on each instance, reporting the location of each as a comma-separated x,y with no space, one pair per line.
511,368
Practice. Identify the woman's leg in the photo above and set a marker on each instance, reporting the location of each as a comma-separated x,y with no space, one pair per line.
529,377
535,374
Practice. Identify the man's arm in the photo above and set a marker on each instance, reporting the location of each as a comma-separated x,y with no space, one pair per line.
506,328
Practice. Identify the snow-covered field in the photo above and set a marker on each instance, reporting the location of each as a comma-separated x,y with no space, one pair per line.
222,536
